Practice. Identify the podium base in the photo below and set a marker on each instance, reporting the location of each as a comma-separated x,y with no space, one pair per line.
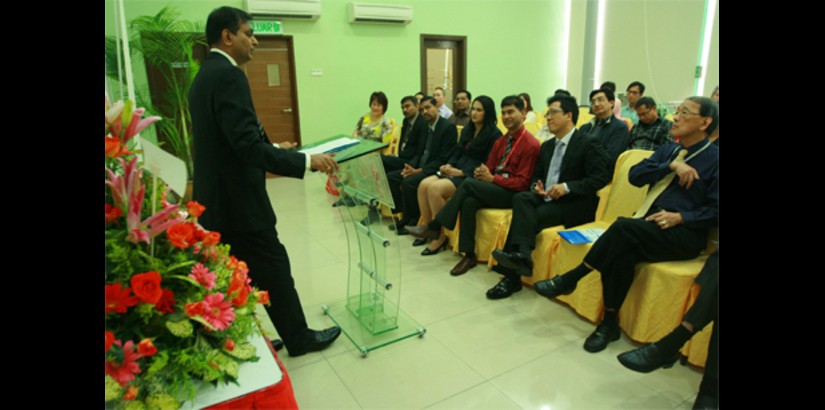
362,338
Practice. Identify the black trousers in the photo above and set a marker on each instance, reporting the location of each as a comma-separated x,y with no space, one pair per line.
471,196
705,309
393,167
409,198
629,241
531,214
269,270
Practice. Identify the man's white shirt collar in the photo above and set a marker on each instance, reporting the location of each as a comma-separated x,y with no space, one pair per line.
223,53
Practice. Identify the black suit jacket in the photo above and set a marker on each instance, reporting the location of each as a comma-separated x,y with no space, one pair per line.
415,138
232,152
614,138
444,140
583,168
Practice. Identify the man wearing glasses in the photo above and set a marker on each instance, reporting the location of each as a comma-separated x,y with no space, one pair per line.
672,224
652,130
634,91
570,169
611,131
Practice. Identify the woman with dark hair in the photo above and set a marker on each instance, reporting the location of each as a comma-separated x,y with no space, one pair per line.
473,148
529,114
374,125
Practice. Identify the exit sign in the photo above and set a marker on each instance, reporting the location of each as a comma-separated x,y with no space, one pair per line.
266,27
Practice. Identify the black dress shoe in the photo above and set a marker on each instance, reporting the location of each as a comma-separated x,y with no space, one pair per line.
422,232
552,288
318,340
465,264
278,344
401,231
419,242
505,287
646,359
428,252
516,261
604,334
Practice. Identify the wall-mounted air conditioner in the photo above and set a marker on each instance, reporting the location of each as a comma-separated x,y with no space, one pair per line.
285,9
379,13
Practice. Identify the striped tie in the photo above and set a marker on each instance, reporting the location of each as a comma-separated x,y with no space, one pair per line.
501,162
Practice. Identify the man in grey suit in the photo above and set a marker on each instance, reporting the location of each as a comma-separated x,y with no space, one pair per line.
231,155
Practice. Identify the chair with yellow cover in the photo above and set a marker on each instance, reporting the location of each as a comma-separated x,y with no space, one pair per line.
531,127
584,116
629,123
541,118
391,139
492,226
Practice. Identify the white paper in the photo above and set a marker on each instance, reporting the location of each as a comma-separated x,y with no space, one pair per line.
166,166
330,146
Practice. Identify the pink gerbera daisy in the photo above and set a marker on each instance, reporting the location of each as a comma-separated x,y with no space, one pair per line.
202,274
216,312
125,371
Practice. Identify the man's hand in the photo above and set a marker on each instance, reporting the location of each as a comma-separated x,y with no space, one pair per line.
665,220
539,189
557,191
323,163
287,145
685,172
482,173
449,170
410,171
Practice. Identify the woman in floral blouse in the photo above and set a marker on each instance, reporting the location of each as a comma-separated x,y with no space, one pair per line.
374,125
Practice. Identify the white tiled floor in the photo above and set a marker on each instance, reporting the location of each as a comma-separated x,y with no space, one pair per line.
521,352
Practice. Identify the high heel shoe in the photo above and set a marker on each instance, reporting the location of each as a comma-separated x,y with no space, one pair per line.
428,252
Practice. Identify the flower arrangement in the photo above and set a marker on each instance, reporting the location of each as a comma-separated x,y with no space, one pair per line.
179,307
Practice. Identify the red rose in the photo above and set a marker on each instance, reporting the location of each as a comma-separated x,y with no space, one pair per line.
263,297
147,286
110,338
237,288
146,347
118,299
194,309
112,147
181,235
228,344
195,209
112,213
131,393
166,304
211,239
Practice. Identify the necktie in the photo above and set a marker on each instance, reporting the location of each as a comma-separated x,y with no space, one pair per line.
427,147
501,162
555,168
658,188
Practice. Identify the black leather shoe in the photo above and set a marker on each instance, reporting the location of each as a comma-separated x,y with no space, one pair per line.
466,263
646,359
318,340
604,334
401,231
422,232
419,242
552,288
505,287
428,252
278,344
516,261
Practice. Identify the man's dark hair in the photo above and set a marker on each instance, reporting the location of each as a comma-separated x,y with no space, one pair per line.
429,98
648,102
610,85
411,99
439,88
568,105
607,93
638,84
421,93
381,98
469,96
707,108
221,18
561,91
513,100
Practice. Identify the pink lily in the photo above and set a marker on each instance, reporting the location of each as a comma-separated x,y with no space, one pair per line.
113,114
137,124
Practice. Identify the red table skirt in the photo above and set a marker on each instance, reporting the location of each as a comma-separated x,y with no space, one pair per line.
277,396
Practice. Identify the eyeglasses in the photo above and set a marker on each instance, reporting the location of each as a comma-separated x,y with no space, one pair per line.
683,112
554,111
598,99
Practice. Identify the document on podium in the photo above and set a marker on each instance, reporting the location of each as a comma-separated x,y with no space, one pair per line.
335,145
580,236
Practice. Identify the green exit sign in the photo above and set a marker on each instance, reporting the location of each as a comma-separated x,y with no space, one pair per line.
266,27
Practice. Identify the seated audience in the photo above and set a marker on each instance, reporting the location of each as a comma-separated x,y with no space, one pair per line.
672,224
443,109
635,91
617,106
611,131
508,171
477,139
652,129
461,103
410,148
529,115
374,125
570,169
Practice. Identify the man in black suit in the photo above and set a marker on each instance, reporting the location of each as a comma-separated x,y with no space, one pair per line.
440,139
231,155
570,169
611,131
413,134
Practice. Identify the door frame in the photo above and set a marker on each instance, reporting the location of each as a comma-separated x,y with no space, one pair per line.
293,79
461,60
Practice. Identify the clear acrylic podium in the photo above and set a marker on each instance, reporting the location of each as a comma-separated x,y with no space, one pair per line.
370,316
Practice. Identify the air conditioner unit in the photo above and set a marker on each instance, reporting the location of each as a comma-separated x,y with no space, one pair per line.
285,9
379,13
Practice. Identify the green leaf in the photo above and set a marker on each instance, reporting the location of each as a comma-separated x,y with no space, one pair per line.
184,278
161,402
113,390
242,351
202,321
181,328
159,362
130,405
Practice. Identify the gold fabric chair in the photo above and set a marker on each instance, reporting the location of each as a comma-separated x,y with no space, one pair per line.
532,127
491,232
584,116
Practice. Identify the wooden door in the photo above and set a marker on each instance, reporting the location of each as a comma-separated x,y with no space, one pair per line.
271,74
443,64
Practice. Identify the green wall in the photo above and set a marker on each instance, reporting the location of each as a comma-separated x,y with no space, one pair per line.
513,46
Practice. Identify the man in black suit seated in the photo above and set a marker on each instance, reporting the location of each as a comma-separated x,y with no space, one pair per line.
439,140
231,156
611,131
410,148
570,169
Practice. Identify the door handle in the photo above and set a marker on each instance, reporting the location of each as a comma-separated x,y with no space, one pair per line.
287,110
